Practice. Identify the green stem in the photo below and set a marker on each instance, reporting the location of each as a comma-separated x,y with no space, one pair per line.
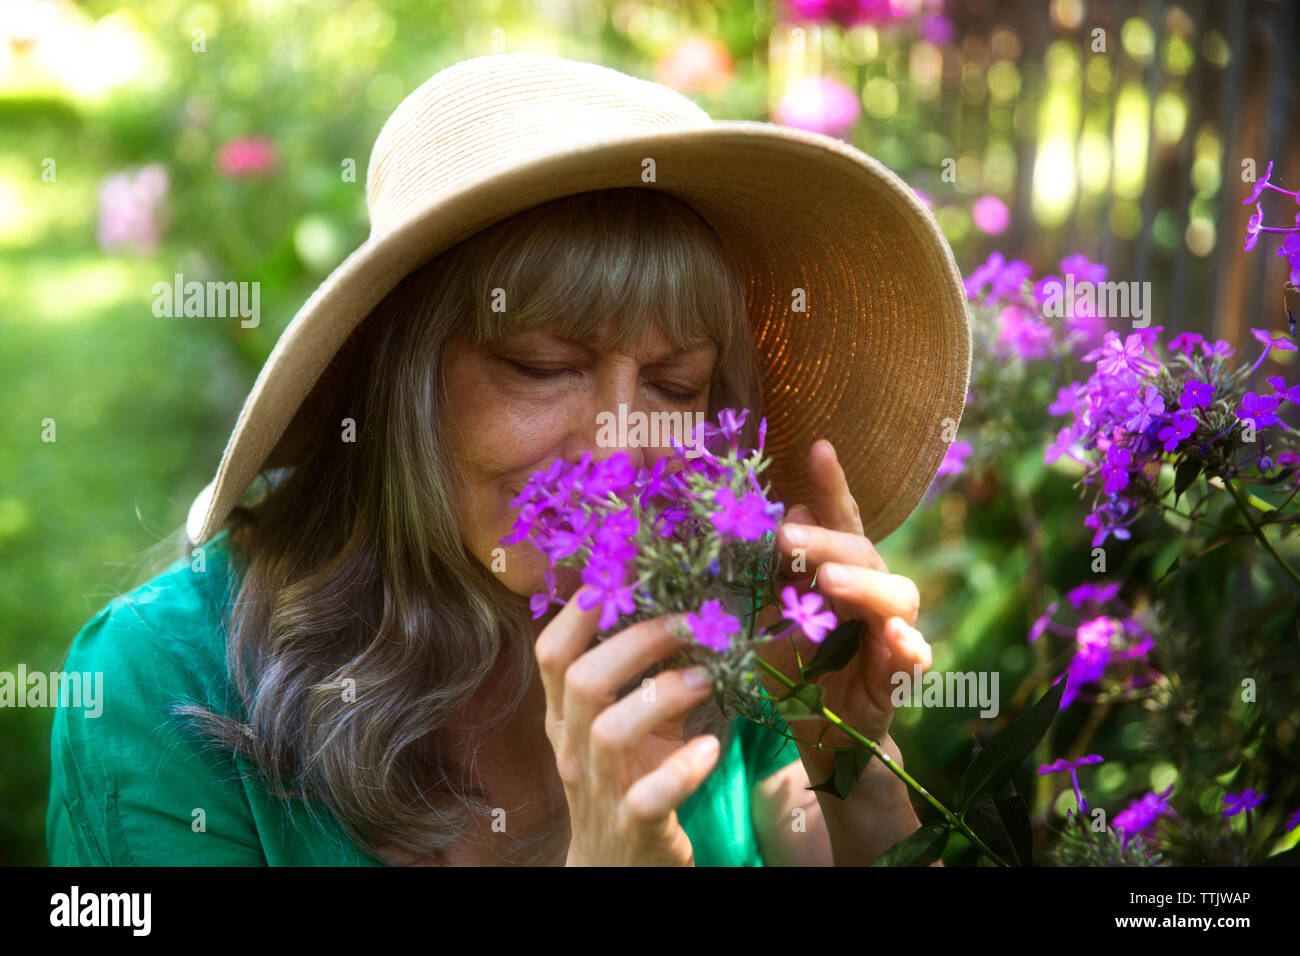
953,820
1259,532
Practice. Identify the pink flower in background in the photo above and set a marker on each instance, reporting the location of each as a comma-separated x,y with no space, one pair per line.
937,29
954,459
695,64
847,13
131,209
247,157
991,215
924,197
1020,334
819,104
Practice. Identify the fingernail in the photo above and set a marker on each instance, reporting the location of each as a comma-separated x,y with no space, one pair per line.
704,747
834,574
796,536
696,678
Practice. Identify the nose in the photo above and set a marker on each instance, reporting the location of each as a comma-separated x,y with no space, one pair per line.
602,418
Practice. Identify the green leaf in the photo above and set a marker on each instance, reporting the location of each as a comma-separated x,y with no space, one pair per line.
917,849
804,701
1185,475
1009,748
849,765
1001,820
836,650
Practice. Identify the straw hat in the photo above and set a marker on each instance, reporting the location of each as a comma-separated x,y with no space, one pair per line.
877,360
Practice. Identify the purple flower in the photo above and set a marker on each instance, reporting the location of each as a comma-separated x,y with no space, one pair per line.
1004,279
1097,593
1141,411
1066,444
1113,356
1184,342
1041,622
1066,399
1280,389
1112,516
1259,410
1180,428
745,518
1142,813
607,580
539,602
1073,767
1221,347
728,427
1083,270
613,474
954,459
1260,186
1290,248
1115,469
1293,821
937,29
1196,394
615,537
713,626
1021,335
1270,343
1247,800
806,612
846,13
1253,225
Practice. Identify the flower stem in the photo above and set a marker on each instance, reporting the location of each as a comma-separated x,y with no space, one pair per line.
1259,532
899,772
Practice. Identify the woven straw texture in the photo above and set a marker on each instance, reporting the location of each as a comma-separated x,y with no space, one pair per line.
878,363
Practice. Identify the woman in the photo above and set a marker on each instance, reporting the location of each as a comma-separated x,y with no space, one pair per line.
344,669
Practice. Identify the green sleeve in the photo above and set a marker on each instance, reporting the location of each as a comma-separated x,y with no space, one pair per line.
127,786
766,751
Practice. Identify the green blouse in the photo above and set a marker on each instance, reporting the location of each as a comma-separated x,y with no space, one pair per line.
127,786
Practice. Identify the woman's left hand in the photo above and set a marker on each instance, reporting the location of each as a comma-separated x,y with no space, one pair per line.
854,580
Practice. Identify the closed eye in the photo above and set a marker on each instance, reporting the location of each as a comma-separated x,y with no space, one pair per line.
531,371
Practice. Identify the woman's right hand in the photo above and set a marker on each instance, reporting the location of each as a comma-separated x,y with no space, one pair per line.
624,766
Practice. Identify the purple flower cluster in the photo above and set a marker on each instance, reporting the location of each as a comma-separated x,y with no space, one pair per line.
627,529
1290,247
1023,327
1136,408
1108,640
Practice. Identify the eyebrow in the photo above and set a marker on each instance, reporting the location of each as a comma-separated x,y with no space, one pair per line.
704,346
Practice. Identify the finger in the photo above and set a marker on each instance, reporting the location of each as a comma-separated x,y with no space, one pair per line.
907,646
621,727
561,642
862,591
664,789
785,569
833,503
592,682
822,544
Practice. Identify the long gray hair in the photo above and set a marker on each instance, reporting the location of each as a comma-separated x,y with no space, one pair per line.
362,624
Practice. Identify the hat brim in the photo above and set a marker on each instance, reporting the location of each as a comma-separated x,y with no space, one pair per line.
878,363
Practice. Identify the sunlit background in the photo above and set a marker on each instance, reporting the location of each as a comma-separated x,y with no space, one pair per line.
142,140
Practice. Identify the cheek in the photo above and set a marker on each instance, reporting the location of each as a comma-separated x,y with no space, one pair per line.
499,442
